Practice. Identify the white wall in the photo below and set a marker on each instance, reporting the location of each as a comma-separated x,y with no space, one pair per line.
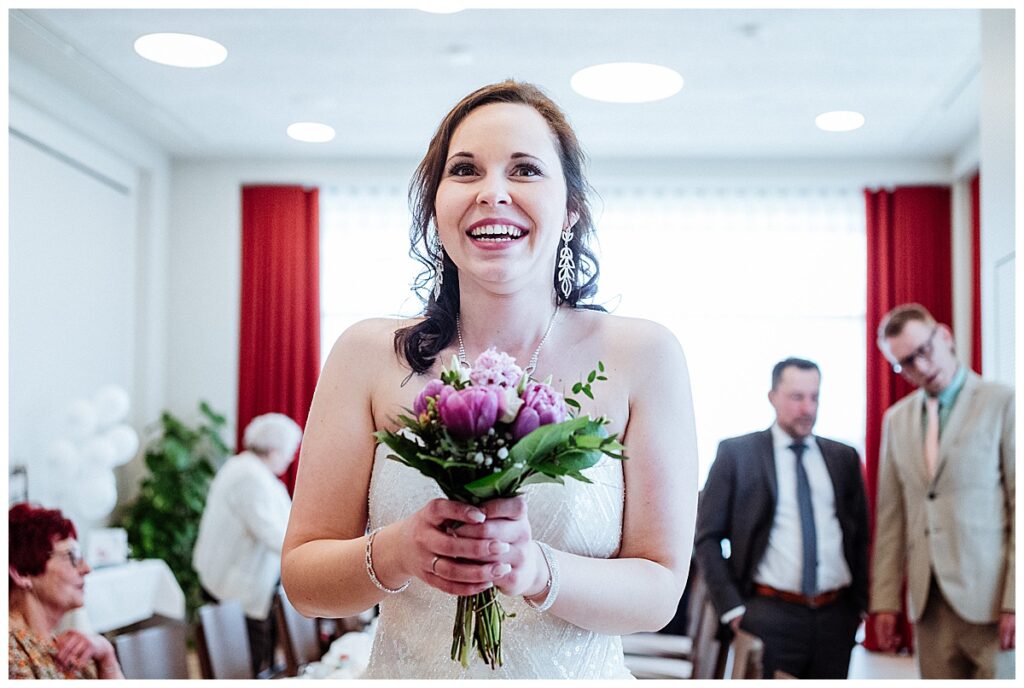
998,256
88,201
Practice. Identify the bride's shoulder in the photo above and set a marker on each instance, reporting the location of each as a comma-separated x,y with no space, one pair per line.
372,338
631,334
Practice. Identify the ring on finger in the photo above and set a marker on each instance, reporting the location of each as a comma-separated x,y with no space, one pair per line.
433,565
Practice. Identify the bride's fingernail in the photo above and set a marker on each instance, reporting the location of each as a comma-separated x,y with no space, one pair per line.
499,547
476,516
501,569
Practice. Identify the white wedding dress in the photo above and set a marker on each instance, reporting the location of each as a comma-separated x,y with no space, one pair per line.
414,632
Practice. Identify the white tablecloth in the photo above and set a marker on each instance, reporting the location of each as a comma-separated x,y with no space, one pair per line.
118,596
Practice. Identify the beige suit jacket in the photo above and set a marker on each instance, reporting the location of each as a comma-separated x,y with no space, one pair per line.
960,524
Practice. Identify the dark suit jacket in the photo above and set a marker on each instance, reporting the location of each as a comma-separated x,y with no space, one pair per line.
738,504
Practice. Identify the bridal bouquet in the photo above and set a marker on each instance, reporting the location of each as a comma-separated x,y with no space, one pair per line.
486,432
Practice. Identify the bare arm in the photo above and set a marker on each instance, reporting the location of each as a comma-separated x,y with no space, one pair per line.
322,559
639,590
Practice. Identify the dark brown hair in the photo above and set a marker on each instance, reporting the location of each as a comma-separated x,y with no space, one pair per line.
421,343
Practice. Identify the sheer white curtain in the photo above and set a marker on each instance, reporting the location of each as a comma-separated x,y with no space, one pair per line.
744,277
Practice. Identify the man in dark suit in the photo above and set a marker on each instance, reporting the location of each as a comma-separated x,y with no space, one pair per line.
792,508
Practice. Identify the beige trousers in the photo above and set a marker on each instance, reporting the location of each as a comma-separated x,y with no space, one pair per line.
949,647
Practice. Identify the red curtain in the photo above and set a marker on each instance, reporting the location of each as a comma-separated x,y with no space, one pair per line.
976,274
279,338
909,259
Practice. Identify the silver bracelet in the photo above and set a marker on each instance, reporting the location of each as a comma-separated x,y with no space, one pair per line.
553,580
370,571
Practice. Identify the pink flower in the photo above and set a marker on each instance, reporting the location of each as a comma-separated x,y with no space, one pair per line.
468,412
494,367
431,389
542,405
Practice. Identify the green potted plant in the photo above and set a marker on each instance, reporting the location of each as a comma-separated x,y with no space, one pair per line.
163,521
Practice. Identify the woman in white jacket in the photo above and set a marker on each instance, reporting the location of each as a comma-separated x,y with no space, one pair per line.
238,551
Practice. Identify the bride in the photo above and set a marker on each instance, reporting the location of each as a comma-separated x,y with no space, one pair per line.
500,208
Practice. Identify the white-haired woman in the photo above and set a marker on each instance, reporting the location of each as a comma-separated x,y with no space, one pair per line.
238,551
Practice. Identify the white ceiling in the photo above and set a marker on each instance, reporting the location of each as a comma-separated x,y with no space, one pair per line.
754,79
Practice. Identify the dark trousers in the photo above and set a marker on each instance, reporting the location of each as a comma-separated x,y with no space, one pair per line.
262,638
804,642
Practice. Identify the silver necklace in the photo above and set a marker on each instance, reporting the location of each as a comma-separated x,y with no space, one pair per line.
531,366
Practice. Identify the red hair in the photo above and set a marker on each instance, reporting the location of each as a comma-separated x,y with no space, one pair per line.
31,533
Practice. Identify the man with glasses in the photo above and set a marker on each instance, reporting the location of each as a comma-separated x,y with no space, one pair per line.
945,506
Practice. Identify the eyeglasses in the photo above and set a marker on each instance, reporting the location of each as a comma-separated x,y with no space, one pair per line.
925,350
74,555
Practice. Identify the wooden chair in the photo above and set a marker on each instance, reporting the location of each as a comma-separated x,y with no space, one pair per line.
222,641
299,636
156,652
746,657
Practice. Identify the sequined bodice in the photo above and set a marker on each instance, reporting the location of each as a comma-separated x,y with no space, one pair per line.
414,632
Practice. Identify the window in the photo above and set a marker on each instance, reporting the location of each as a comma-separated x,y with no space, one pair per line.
743,277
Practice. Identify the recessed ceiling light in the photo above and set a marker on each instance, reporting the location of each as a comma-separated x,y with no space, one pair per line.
180,49
627,82
839,120
311,132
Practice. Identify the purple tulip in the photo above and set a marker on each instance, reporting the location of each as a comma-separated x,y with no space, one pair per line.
527,421
468,412
431,389
541,406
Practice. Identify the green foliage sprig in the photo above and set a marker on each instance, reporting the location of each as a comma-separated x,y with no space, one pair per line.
163,521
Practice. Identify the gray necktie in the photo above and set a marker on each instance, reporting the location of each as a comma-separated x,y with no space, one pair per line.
810,539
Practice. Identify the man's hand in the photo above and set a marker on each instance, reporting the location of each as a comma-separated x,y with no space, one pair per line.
885,631
734,623
1007,631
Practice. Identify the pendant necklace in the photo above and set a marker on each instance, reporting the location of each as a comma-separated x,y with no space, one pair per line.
531,366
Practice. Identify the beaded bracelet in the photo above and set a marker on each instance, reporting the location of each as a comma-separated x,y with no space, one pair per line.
552,584
373,575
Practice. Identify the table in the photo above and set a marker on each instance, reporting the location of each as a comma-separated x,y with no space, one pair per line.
123,594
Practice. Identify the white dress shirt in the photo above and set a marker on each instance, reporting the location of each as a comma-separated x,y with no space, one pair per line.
781,567
238,550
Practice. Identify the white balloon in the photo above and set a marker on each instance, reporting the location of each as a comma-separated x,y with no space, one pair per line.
81,419
64,459
99,454
112,403
125,442
96,494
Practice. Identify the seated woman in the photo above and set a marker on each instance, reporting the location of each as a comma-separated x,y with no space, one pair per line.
46,580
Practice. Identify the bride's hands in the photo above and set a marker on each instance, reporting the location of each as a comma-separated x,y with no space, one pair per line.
492,547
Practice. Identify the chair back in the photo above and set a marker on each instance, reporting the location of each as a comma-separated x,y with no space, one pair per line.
707,656
299,635
222,641
746,657
156,652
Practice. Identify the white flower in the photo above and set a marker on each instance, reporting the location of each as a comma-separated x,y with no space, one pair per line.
503,453
512,405
478,457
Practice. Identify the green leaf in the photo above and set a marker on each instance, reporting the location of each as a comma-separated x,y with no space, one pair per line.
586,390
592,376
600,366
577,387
537,478
572,402
545,439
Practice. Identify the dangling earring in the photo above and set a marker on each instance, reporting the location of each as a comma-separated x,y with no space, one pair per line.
438,267
566,265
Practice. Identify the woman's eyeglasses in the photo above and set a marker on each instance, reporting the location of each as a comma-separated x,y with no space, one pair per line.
908,363
74,555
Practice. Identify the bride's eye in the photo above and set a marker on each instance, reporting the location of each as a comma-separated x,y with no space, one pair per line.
461,169
526,170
